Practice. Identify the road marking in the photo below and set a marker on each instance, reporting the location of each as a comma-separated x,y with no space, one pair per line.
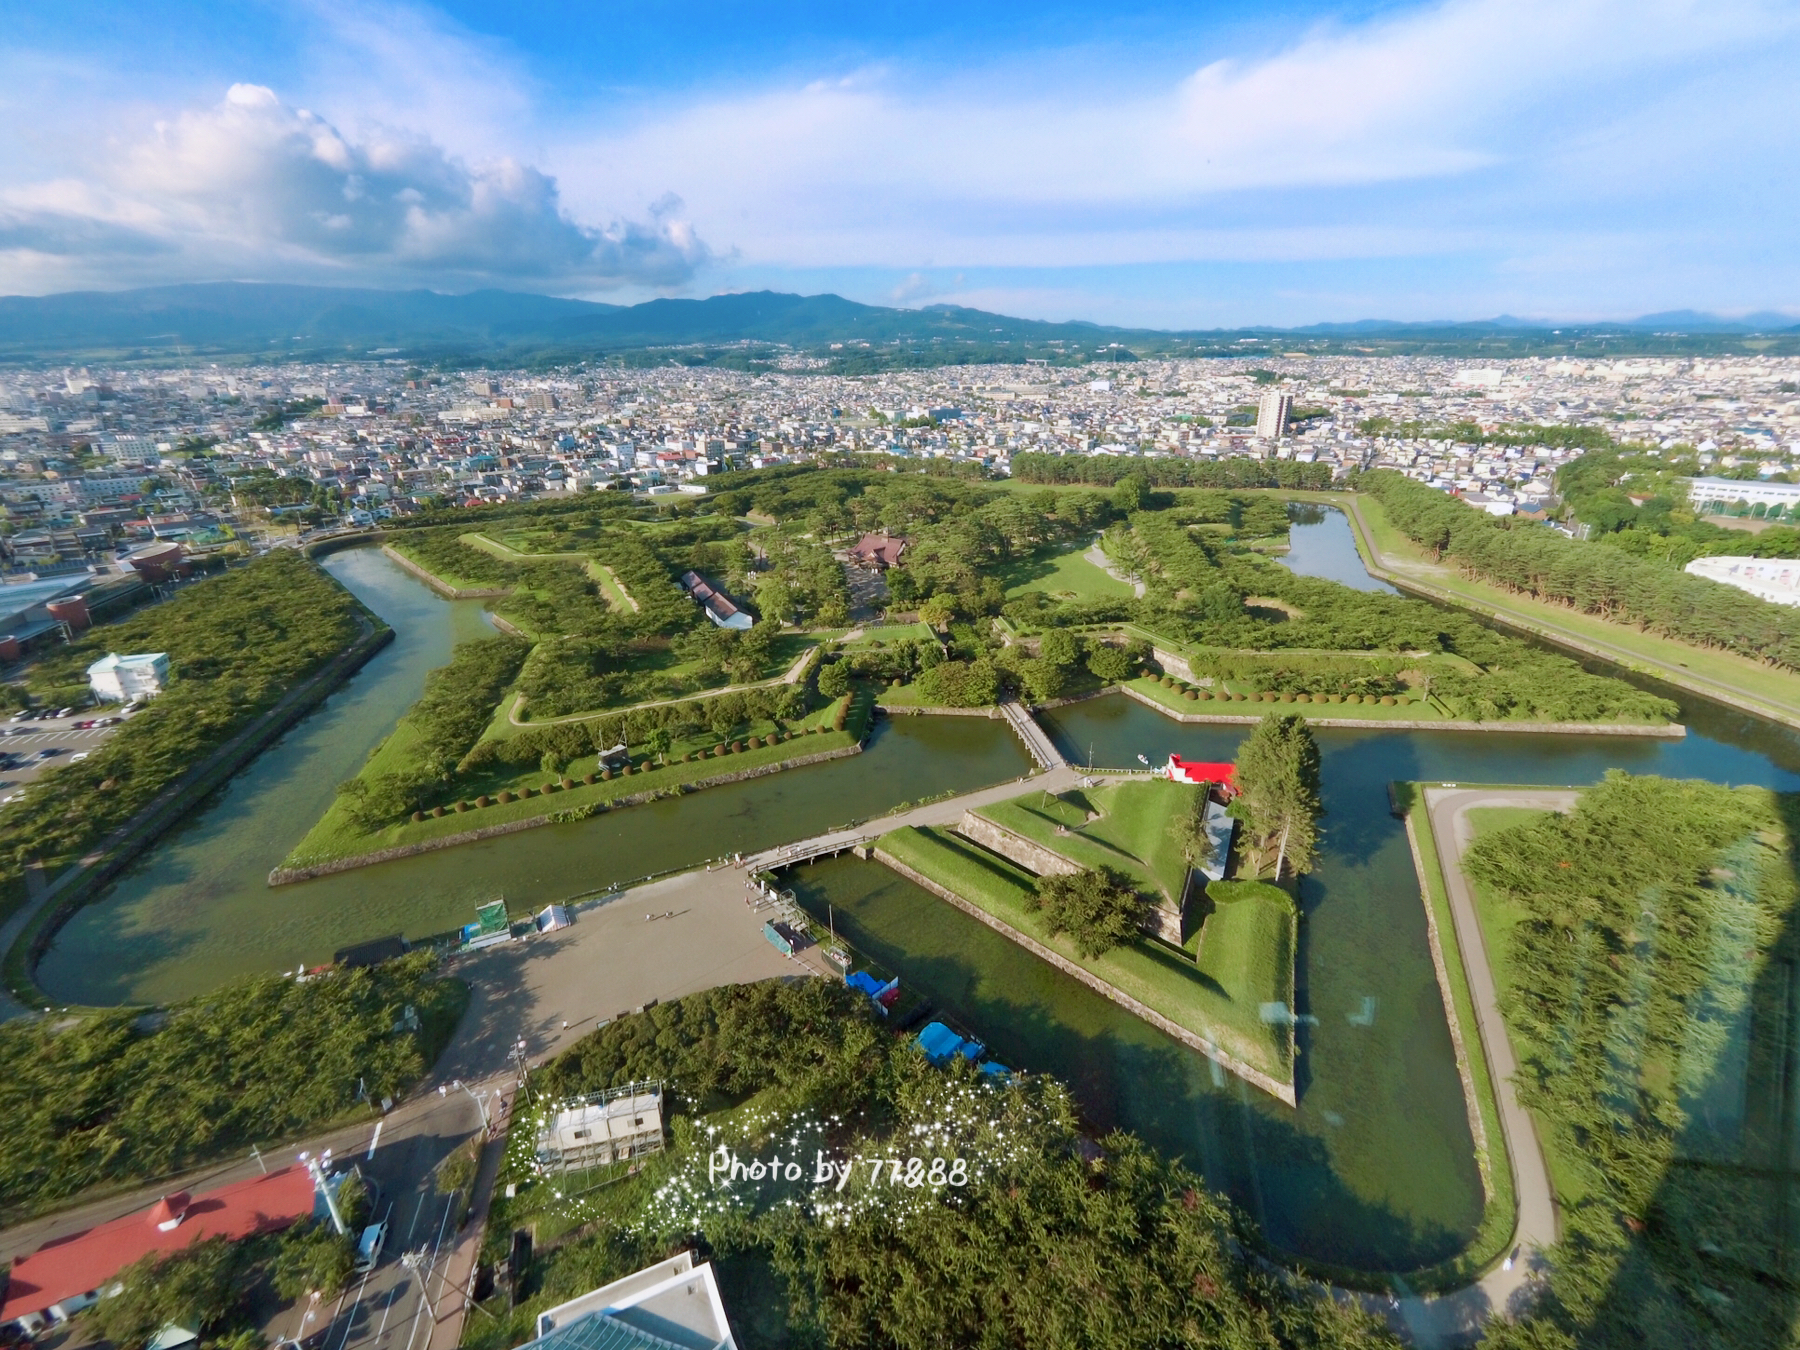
375,1138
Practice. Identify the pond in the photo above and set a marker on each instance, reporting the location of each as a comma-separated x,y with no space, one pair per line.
1321,544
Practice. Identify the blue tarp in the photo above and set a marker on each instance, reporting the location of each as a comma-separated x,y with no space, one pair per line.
864,982
995,1069
939,1042
971,1050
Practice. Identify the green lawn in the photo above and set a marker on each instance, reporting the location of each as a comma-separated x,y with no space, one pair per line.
336,836
1156,975
1067,575
1133,832
1246,946
1707,671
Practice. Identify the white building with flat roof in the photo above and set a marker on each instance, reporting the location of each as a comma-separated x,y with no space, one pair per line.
120,679
1773,579
1721,496
609,1127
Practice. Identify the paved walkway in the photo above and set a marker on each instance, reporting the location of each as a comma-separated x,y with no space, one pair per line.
1458,1317
1037,741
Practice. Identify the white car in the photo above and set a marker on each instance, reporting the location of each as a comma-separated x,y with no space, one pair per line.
77,758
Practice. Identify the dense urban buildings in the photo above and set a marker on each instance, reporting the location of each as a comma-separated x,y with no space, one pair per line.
98,463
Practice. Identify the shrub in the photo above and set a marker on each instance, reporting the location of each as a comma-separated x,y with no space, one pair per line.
460,807
527,792
484,800
418,816
1192,695
506,796
606,775
737,747
437,812
1388,700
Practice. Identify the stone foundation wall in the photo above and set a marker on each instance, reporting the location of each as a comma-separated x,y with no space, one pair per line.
1033,857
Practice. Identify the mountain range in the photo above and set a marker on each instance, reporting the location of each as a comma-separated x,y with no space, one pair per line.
244,320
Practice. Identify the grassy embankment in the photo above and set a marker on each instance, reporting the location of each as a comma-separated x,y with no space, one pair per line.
1247,702
537,794
1706,671
1497,1218
1131,830
1219,1000
600,574
1067,575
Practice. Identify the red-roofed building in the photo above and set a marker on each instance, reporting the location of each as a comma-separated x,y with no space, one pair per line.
72,1267
878,551
1196,771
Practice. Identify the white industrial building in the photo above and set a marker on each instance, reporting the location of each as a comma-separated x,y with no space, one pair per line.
120,679
609,1127
1722,496
1775,579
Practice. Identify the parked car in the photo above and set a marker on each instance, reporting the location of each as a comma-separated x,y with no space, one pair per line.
50,752
83,726
368,1247
64,712
108,721
20,715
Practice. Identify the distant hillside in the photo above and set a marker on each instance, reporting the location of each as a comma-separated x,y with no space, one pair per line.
247,320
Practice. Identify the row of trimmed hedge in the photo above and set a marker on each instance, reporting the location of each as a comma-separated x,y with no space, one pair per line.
1194,693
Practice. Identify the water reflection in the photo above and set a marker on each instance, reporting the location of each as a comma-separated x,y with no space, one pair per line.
1320,544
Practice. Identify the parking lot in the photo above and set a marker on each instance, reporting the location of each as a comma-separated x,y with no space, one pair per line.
23,746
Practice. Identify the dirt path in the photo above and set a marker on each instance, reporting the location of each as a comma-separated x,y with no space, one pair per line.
1097,556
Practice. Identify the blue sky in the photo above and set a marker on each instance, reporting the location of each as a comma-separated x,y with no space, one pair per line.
1176,166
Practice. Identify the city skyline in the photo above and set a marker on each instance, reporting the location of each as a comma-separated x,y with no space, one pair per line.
1283,166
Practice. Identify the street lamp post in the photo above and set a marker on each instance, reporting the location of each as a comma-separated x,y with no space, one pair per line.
316,1168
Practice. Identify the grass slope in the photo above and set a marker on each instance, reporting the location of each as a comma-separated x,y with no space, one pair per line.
1133,834
336,836
1156,975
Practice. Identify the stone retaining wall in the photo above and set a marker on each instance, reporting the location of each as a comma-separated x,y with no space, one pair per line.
991,713
1673,731
1033,857
282,876
1282,1092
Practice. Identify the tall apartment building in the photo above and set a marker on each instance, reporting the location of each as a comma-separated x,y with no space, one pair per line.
1272,415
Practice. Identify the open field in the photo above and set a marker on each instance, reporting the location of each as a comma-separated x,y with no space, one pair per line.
1307,705
1132,832
1067,575
1160,977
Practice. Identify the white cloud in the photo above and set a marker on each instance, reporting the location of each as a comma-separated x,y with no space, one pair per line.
251,182
895,169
